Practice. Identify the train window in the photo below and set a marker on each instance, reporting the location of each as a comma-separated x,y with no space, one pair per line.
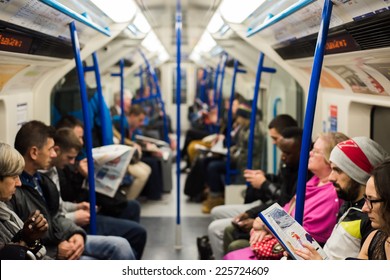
380,121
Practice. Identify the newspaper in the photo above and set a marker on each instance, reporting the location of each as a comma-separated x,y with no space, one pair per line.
289,232
110,163
158,142
218,148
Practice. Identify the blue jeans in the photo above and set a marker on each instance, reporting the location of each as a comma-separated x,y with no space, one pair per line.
132,211
133,232
214,180
99,247
125,225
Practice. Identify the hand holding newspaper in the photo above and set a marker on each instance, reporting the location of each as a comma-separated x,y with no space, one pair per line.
218,148
110,163
290,234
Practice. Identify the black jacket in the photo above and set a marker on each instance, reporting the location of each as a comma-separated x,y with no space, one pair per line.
281,191
26,200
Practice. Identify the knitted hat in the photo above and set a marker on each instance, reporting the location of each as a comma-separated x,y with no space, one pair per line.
357,157
244,110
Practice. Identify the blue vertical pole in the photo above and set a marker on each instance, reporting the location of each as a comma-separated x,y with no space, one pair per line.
178,132
310,109
122,89
158,94
87,126
260,69
141,82
103,120
275,160
121,92
215,87
203,86
230,121
220,94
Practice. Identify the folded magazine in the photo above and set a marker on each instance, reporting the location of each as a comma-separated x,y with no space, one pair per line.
288,231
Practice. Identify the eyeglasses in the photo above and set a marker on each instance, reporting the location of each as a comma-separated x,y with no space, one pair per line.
371,201
317,152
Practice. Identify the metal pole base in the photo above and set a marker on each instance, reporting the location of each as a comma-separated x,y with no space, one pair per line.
178,245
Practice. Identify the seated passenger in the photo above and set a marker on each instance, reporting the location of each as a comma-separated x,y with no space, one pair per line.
377,201
222,215
151,154
115,109
279,189
67,147
209,141
18,239
138,170
65,240
239,159
321,201
352,162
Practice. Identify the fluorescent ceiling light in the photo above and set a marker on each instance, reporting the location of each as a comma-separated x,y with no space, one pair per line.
235,11
194,56
151,42
206,43
141,23
163,56
215,23
117,10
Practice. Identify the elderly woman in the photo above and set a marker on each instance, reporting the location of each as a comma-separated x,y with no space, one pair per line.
17,239
321,201
377,207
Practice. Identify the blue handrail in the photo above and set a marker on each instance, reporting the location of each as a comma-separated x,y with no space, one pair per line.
87,126
230,121
178,118
141,81
215,86
260,70
158,94
285,13
220,93
102,104
203,86
310,109
274,150
81,18
140,100
122,88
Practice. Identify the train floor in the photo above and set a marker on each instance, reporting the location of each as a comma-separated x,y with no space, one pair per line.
160,220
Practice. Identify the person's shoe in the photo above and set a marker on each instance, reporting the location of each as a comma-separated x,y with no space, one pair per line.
204,248
211,202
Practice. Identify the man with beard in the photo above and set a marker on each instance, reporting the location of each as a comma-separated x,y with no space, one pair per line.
352,162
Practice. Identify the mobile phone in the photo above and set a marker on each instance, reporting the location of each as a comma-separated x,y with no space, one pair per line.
235,224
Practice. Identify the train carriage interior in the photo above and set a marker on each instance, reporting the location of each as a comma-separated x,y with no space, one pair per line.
269,51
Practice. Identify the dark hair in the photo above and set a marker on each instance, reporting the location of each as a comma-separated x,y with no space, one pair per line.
280,122
239,97
66,139
292,132
33,133
381,174
69,121
136,110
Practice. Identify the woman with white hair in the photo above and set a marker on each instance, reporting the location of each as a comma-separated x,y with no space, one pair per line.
18,240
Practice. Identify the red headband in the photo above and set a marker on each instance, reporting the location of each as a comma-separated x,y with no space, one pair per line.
355,154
